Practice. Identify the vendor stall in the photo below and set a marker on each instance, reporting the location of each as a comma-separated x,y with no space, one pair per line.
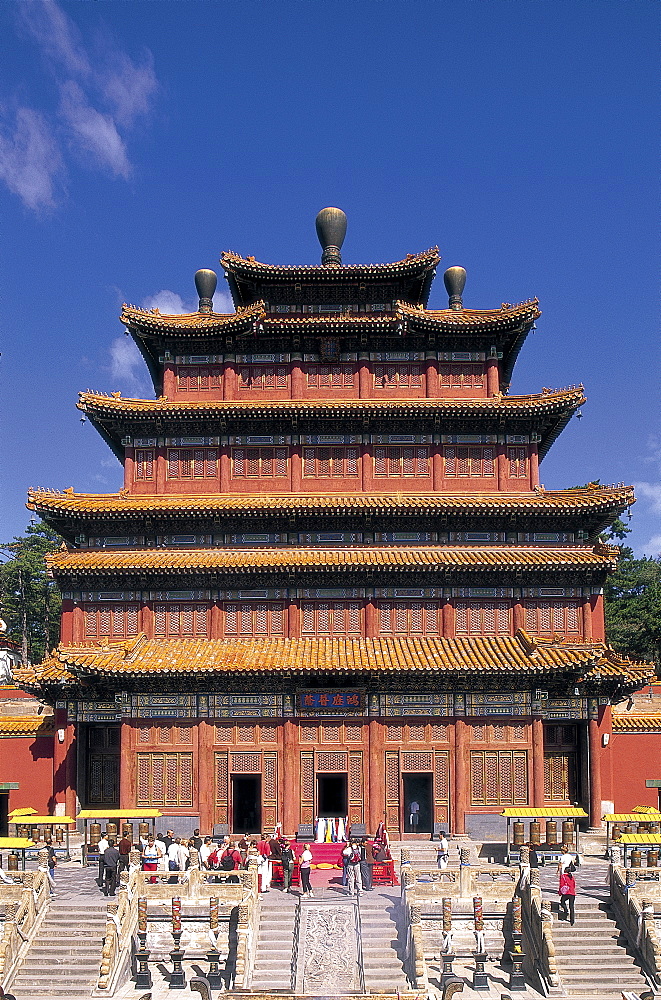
15,845
32,819
550,816
640,815
635,844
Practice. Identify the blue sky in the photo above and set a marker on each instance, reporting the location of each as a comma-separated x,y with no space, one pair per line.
139,140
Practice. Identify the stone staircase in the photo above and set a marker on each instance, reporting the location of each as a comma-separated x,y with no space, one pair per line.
592,956
381,920
275,939
64,958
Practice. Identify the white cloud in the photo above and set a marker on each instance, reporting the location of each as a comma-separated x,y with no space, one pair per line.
93,131
127,366
652,547
222,303
650,492
102,94
171,303
30,160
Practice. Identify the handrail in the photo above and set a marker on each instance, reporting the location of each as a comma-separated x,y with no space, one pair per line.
359,944
538,925
636,916
121,924
24,914
414,956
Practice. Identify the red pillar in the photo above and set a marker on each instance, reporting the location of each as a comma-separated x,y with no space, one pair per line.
366,468
205,776
594,765
169,382
534,465
229,378
60,756
597,604
586,608
493,378
501,467
377,776
437,467
66,632
538,762
129,468
296,465
448,620
432,376
290,772
126,766
371,619
297,377
225,468
460,775
293,620
364,377
518,616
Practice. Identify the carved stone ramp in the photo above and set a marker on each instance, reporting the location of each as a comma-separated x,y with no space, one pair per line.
327,951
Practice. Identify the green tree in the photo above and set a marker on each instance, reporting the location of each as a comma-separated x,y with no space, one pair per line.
633,607
31,602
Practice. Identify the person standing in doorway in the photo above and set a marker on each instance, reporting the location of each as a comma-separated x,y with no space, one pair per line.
306,864
414,815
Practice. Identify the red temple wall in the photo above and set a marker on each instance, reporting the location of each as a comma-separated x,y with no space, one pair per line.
28,760
626,763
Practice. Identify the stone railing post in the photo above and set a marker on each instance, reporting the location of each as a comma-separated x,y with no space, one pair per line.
465,886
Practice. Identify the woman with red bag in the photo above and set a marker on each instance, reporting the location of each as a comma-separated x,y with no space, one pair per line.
567,892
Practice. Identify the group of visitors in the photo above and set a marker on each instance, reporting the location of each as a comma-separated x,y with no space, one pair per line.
157,854
566,870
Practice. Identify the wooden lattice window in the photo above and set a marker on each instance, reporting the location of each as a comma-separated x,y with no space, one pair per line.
165,779
499,777
560,777
268,734
309,733
417,761
111,621
410,618
193,378
330,463
458,376
260,463
559,736
245,734
252,618
394,734
353,734
181,621
545,617
248,763
417,733
192,463
479,733
263,377
398,376
439,732
330,734
409,461
482,618
223,733
328,761
144,463
517,463
332,618
330,377
469,462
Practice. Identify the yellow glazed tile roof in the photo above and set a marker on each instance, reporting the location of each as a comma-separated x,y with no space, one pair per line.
248,267
26,725
546,502
636,723
431,557
196,324
520,654
508,317
547,403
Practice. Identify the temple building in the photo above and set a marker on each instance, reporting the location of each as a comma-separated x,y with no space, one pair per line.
332,584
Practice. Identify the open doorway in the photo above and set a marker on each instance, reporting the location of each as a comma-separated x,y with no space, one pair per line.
418,803
332,795
246,804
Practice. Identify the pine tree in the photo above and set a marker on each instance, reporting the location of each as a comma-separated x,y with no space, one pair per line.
31,602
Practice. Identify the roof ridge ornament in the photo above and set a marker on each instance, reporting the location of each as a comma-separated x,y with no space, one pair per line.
205,283
454,280
331,225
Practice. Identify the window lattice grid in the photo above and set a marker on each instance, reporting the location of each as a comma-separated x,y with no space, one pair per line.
461,376
165,779
263,377
559,777
517,463
469,462
192,463
394,734
268,734
410,618
246,763
245,734
482,618
332,618
330,463
194,378
439,732
417,761
253,618
330,734
223,733
417,733
401,461
546,617
499,777
111,621
560,736
398,376
353,734
144,463
328,761
330,377
260,463
182,621
309,734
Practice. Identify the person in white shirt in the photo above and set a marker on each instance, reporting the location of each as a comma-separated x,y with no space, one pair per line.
183,854
162,861
102,846
205,851
567,858
442,852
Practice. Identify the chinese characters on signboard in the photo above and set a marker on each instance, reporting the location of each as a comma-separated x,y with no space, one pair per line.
332,700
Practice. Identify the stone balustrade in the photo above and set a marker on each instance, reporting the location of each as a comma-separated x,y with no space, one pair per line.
25,902
633,896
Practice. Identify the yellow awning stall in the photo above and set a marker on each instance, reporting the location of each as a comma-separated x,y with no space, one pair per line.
632,840
639,814
21,844
27,811
32,818
512,813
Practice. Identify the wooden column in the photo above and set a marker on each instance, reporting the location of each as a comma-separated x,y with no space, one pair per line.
437,467
129,468
290,778
371,619
594,767
225,468
586,614
493,377
160,458
78,624
297,377
146,617
293,620
448,620
229,378
60,758
216,621
127,792
534,465
538,762
377,776
501,462
432,375
460,775
597,605
205,777
296,466
366,467
169,381
71,772
66,632
518,615
364,376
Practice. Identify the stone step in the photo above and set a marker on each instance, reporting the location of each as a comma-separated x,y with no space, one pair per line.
68,960
608,980
595,963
